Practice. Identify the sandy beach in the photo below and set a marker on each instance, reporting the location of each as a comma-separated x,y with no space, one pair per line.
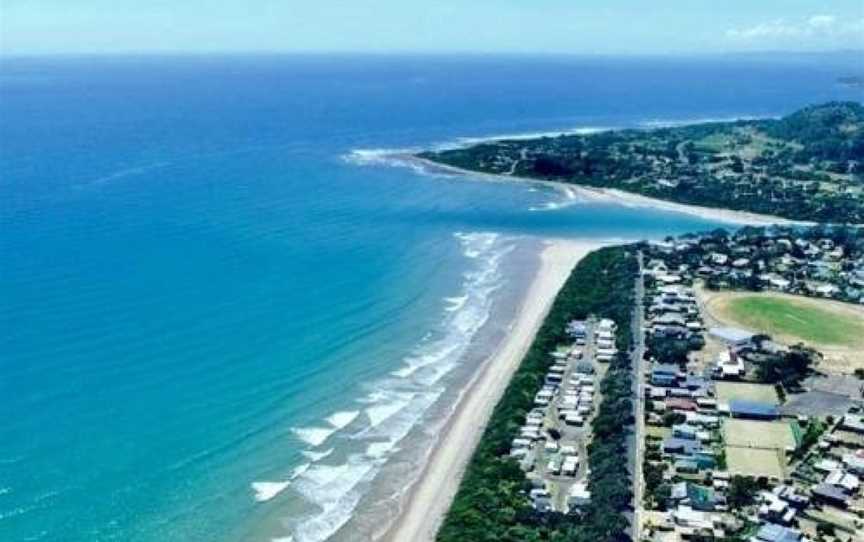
610,195
428,500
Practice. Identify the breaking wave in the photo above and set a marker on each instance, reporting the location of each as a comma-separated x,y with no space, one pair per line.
333,485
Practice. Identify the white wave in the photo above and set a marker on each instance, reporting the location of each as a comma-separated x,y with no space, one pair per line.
398,427
333,489
672,123
314,436
455,303
341,419
379,449
476,244
314,456
571,198
521,136
396,405
389,405
387,157
264,491
437,355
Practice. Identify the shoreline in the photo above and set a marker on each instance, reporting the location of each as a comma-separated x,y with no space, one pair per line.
610,195
426,502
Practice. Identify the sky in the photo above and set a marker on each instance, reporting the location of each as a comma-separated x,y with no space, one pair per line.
497,26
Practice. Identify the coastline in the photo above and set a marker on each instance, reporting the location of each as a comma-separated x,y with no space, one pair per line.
610,195
427,501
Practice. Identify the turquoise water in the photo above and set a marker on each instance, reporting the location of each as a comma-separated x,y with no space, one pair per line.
217,321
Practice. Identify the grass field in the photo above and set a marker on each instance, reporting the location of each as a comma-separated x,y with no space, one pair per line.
752,462
805,320
755,434
744,391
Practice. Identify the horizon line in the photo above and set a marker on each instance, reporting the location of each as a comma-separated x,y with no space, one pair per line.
427,53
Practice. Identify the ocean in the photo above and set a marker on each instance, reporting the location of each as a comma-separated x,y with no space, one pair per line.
225,316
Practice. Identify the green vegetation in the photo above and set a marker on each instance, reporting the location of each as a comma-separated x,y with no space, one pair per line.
742,491
787,368
810,438
800,319
492,502
806,166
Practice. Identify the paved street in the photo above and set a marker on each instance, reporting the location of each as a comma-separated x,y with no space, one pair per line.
639,404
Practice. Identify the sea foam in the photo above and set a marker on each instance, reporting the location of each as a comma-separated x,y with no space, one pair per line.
395,405
341,419
315,436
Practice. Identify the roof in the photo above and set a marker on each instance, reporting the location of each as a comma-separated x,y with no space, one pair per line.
731,334
753,408
681,404
665,369
853,423
829,491
687,446
771,532
700,497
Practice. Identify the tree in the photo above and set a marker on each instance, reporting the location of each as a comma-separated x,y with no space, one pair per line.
742,491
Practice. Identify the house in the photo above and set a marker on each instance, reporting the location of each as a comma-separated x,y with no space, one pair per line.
845,481
729,365
777,282
732,335
719,258
771,532
606,325
577,329
826,465
686,466
675,403
775,509
829,494
753,410
684,431
852,422
679,446
692,495
664,374
854,463
578,496
686,516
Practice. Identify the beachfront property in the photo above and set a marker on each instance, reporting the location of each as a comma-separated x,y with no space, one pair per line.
551,445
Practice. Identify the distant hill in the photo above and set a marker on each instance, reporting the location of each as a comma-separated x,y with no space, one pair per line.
808,165
831,131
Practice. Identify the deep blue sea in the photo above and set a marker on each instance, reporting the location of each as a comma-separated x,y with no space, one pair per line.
218,321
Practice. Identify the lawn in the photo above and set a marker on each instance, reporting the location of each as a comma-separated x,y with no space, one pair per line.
758,435
804,320
754,462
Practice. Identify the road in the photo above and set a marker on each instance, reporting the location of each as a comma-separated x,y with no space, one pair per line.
639,408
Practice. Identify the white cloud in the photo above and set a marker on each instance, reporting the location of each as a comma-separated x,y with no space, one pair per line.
821,21
817,30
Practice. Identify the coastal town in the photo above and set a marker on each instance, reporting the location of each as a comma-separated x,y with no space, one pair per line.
739,435
732,448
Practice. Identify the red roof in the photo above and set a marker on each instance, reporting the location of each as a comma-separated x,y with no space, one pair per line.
680,404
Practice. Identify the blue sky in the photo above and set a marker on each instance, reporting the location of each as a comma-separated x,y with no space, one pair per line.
521,26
